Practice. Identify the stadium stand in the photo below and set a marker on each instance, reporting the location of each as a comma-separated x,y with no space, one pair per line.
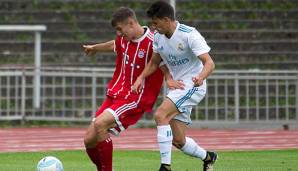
245,34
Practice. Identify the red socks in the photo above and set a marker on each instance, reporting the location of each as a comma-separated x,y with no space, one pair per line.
93,155
102,155
105,149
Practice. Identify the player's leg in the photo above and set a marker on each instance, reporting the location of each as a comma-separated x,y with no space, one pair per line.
186,144
100,153
179,123
90,138
102,124
90,145
116,118
98,129
189,146
178,129
164,113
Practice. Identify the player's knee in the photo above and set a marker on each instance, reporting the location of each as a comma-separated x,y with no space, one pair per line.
88,142
160,115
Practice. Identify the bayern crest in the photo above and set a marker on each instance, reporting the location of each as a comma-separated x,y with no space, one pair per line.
141,53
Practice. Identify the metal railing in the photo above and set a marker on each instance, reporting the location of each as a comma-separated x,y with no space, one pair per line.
250,96
37,29
73,94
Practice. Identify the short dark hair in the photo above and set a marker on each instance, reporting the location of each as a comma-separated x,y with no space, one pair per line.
121,15
161,9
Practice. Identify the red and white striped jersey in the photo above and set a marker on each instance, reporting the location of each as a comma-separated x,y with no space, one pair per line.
132,57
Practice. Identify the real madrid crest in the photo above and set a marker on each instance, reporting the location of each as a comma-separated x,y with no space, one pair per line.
141,53
180,46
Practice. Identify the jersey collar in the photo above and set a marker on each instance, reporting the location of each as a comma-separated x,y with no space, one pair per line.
143,36
177,26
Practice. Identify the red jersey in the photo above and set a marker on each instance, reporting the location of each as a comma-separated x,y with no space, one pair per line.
132,57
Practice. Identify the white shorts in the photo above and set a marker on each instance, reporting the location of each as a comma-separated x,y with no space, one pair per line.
185,99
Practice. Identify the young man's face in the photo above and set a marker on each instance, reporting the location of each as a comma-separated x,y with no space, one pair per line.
126,29
160,24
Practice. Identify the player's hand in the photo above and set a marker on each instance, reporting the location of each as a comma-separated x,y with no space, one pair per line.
198,81
173,84
137,86
89,50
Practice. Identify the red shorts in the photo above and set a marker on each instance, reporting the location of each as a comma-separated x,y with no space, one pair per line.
125,112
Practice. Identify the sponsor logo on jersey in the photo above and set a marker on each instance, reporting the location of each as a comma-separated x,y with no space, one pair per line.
174,61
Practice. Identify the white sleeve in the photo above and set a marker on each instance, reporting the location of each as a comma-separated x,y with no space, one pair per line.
197,43
155,43
161,63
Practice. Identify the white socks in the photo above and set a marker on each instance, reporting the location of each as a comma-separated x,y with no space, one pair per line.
165,138
193,149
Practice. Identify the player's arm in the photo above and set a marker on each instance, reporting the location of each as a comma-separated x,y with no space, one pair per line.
165,71
171,83
201,49
148,70
206,71
108,46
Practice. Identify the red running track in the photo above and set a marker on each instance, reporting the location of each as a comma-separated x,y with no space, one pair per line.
44,139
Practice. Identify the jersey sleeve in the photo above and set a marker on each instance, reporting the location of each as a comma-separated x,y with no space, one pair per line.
118,63
197,43
117,44
118,51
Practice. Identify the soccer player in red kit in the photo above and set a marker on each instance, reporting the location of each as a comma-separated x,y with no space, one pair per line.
122,106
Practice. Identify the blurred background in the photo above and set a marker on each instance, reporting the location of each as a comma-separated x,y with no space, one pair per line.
254,45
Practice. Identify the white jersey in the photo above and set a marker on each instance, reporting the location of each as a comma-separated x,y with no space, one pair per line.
180,52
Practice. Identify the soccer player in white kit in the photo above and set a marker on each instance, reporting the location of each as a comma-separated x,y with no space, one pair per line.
185,53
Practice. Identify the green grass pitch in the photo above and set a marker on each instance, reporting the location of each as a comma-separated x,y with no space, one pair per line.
273,160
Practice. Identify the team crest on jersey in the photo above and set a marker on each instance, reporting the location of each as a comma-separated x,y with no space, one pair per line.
180,46
141,53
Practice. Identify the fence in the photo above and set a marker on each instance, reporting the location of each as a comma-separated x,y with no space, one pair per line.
37,29
73,94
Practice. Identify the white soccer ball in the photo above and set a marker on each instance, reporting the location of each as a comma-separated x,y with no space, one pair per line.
49,163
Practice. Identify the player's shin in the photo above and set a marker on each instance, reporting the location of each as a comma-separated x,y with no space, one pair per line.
94,157
165,138
105,149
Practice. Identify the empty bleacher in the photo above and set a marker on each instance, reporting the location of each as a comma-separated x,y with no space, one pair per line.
243,34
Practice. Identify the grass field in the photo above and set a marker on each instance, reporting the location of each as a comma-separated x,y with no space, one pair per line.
277,160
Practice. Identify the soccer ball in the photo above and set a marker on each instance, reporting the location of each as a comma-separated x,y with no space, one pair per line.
49,163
